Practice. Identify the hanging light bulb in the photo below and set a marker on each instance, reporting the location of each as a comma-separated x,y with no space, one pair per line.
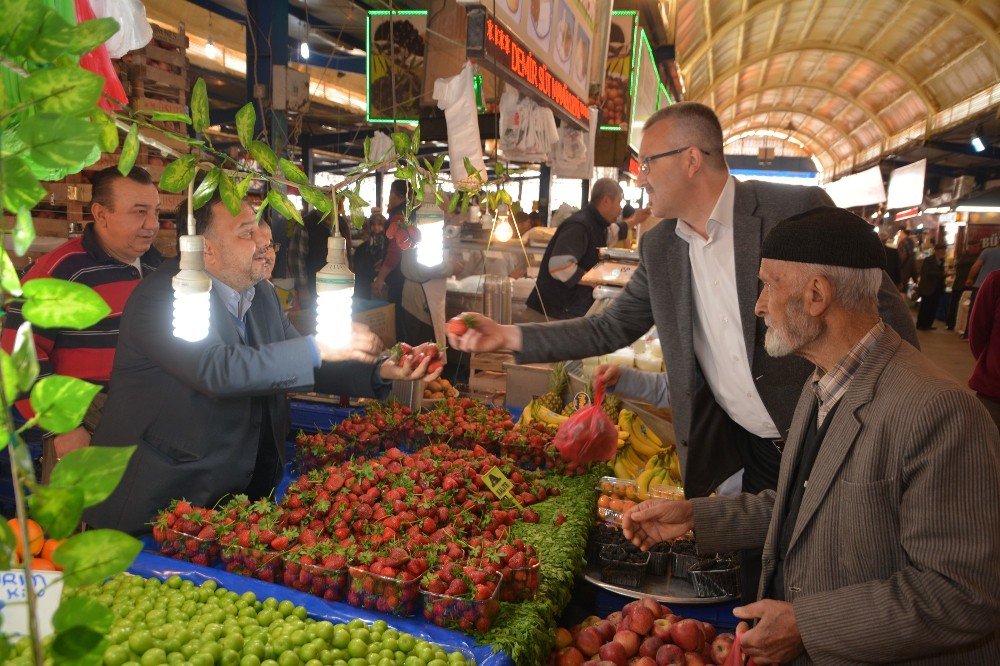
503,232
192,286
210,49
304,50
334,293
430,223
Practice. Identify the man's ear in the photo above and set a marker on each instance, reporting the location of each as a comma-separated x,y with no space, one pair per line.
100,213
819,296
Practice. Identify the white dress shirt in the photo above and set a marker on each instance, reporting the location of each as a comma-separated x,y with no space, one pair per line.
718,330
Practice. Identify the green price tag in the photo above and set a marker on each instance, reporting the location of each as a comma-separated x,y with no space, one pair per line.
500,485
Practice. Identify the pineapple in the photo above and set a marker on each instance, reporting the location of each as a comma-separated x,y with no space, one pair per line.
569,409
612,405
558,383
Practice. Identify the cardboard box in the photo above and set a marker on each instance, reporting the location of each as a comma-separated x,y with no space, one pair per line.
526,381
381,320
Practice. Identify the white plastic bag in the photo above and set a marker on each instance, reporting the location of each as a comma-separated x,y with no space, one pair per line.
456,97
135,31
381,149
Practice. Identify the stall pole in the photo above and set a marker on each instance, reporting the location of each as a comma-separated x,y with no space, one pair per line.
544,185
378,190
584,193
266,47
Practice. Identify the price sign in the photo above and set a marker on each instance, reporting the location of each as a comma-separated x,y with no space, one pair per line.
500,485
14,600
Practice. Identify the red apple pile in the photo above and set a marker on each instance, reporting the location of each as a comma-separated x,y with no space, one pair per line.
643,633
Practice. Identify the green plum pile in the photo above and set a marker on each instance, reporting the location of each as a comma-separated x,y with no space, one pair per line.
176,622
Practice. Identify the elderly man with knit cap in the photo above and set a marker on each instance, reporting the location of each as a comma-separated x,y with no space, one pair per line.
882,540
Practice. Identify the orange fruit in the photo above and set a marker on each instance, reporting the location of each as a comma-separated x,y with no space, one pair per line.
49,548
616,505
36,537
42,564
604,501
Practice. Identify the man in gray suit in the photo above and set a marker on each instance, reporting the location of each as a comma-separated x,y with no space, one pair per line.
883,538
697,281
209,417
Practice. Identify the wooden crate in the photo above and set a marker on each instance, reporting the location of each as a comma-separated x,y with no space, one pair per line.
44,226
166,242
147,79
62,193
487,373
168,37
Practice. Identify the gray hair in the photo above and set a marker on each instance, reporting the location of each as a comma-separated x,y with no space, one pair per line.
698,125
604,187
856,289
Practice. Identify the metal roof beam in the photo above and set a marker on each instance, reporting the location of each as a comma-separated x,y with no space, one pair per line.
333,32
797,134
220,10
990,153
810,86
980,24
883,62
809,114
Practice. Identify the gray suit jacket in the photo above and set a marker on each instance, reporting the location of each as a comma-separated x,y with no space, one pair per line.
188,406
660,292
895,555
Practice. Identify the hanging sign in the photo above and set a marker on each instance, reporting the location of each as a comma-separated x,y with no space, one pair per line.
490,41
396,49
14,600
500,485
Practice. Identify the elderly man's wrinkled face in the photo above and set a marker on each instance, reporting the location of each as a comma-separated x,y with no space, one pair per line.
782,304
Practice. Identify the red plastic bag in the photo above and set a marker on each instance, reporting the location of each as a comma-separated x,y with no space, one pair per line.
589,435
736,656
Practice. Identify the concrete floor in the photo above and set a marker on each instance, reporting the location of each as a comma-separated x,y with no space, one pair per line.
948,351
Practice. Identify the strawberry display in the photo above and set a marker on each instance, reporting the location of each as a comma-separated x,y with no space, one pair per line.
530,446
461,597
388,582
463,423
319,449
186,533
318,569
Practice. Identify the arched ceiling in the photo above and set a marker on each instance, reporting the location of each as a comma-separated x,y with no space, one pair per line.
842,76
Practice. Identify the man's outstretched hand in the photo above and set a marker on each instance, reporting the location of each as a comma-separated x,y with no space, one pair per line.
482,334
657,521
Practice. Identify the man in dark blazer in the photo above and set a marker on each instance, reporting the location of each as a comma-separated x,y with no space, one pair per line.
209,418
881,543
931,287
683,170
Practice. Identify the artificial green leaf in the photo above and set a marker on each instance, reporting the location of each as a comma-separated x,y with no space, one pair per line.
21,21
20,454
292,172
260,211
404,173
88,35
504,197
19,187
57,141
107,131
61,402
243,187
168,117
246,120
230,197
401,142
24,231
25,357
415,139
94,470
8,275
199,106
316,198
204,192
130,151
469,169
285,208
70,90
55,303
49,44
453,203
179,174
82,612
57,510
79,646
8,542
8,382
90,557
439,162
264,156
368,148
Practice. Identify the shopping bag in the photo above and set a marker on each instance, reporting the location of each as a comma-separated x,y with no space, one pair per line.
589,435
736,656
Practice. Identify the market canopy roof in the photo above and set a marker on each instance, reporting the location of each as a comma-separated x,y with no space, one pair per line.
851,80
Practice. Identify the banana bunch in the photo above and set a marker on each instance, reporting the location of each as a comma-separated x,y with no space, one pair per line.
637,446
661,470
544,414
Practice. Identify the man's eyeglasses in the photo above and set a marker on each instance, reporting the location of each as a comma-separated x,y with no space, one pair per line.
644,163
273,246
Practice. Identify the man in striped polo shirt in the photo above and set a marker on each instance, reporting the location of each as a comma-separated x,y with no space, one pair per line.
111,256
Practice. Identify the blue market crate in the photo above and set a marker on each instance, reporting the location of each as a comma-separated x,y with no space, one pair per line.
317,416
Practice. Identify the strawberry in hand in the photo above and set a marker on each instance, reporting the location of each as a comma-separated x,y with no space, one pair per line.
460,324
